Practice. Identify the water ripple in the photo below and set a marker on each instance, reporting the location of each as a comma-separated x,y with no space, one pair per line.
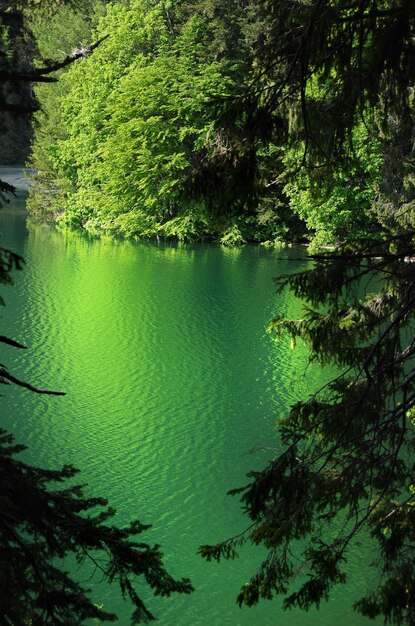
170,382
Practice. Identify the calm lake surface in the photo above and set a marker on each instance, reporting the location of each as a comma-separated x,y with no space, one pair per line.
173,393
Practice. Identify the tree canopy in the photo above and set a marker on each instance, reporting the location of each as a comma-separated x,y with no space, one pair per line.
129,146
347,465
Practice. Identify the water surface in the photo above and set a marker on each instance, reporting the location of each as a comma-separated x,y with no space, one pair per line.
173,393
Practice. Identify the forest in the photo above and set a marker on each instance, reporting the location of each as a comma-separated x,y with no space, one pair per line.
144,126
235,122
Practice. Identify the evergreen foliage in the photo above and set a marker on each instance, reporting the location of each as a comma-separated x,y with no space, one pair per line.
346,469
43,523
63,32
128,143
346,463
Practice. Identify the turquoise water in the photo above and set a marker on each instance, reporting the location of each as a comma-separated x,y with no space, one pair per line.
173,393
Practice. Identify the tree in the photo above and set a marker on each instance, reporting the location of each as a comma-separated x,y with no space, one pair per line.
57,33
128,143
347,461
46,517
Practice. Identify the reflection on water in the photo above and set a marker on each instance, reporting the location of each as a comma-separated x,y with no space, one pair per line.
171,381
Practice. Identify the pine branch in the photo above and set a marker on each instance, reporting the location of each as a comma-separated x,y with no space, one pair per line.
42,74
4,374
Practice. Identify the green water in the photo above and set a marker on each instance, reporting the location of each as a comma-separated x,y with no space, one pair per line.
173,392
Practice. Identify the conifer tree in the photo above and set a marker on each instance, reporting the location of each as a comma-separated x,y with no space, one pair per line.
347,465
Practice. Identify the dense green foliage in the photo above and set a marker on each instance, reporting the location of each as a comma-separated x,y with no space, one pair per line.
128,141
67,30
140,138
334,212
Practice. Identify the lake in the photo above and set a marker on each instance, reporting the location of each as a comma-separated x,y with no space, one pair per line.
173,390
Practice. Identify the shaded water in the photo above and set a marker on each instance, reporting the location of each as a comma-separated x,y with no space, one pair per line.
173,392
